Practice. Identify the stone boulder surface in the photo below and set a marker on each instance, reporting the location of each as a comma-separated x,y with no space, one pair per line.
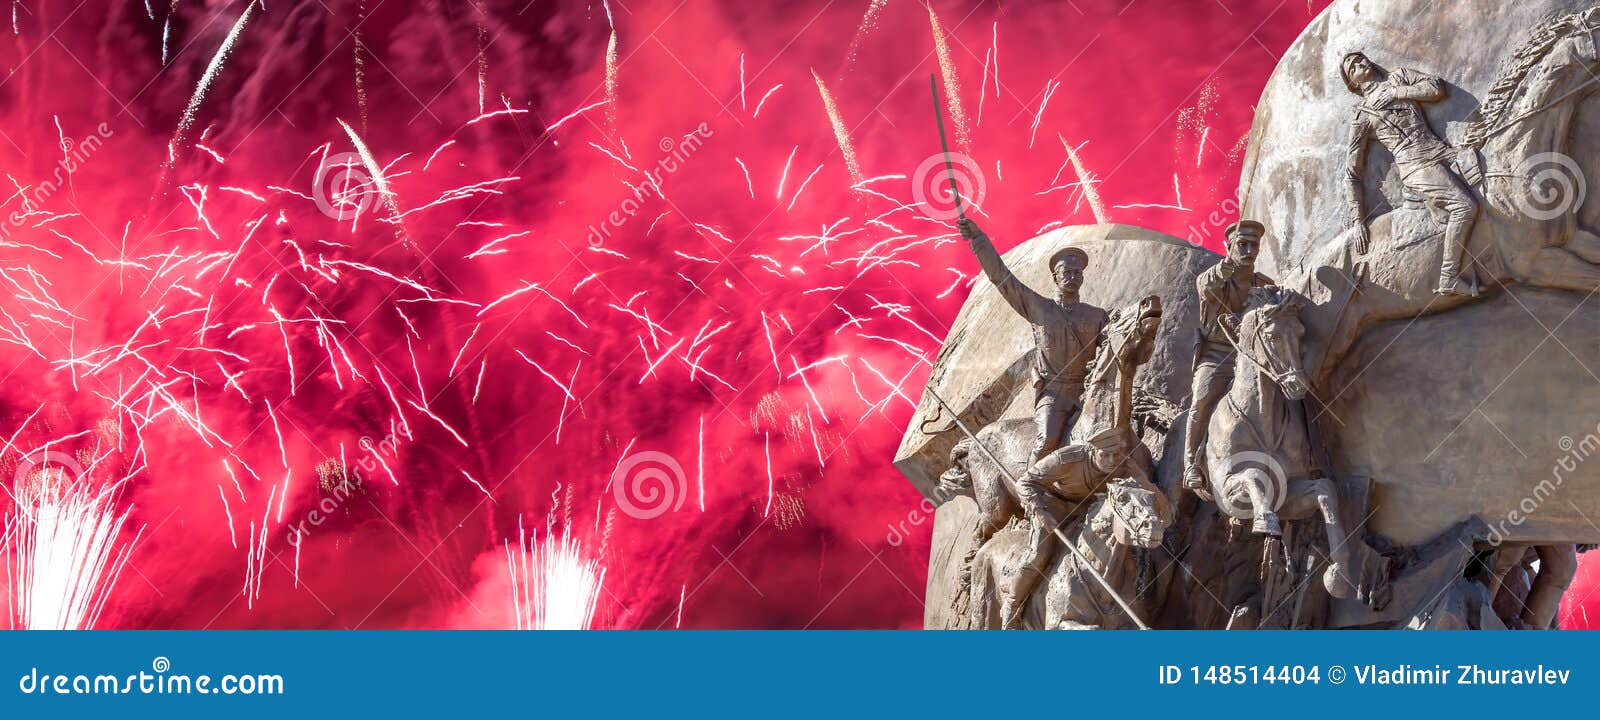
1473,411
1293,173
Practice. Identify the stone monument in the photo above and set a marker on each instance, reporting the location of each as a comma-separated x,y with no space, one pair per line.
1379,420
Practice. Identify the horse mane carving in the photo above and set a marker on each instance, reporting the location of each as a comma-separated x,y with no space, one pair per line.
1499,100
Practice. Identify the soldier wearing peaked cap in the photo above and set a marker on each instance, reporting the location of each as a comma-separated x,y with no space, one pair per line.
1066,333
1224,288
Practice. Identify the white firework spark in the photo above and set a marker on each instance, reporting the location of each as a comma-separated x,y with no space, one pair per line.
611,78
841,133
952,84
210,75
65,551
554,586
1086,182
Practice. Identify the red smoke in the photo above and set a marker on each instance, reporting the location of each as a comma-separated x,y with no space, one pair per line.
1158,98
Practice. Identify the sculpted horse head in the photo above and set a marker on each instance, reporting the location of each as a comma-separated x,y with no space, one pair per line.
1255,442
1271,331
1257,448
1108,391
1133,514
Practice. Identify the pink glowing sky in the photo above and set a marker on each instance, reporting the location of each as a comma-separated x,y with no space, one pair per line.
699,307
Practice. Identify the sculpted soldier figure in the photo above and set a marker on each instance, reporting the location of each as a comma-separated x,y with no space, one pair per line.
1074,471
1066,333
1077,472
1390,111
1224,289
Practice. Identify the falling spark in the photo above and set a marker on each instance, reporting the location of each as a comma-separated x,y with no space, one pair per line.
869,23
206,78
807,383
771,348
361,64
766,447
483,57
611,78
763,100
952,84
1050,88
476,484
983,86
785,176
66,558
994,43
953,285
554,585
700,464
747,184
802,188
557,124
378,179
840,132
1086,182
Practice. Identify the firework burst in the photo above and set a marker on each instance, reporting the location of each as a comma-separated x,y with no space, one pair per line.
494,280
66,554
554,585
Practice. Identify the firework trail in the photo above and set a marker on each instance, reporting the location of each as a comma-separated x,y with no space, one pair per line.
611,79
952,84
380,183
1086,183
207,78
482,29
840,132
358,58
869,23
